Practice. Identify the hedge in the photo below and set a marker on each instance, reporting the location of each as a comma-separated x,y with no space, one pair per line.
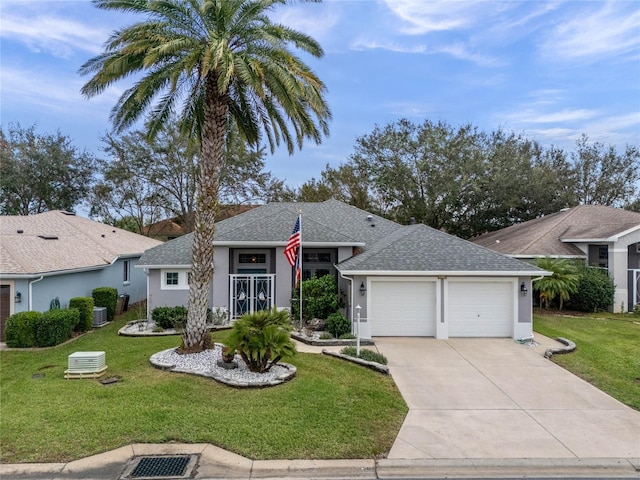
20,329
85,308
595,291
55,326
170,317
106,297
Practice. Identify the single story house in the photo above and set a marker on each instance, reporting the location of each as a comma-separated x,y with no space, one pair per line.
61,255
403,280
603,237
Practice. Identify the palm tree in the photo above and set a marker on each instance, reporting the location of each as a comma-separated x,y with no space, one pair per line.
561,284
217,64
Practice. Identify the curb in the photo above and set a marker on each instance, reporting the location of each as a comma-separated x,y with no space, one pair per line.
568,348
216,463
365,363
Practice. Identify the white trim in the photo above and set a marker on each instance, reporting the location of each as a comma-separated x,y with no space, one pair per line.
160,267
12,294
248,244
182,279
448,273
617,236
524,255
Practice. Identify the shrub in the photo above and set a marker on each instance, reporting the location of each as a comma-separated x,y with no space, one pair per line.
55,326
347,336
326,336
595,291
636,309
320,298
561,285
365,354
85,308
20,329
106,297
262,338
169,317
338,324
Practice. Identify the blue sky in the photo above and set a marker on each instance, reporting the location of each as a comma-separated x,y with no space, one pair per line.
548,70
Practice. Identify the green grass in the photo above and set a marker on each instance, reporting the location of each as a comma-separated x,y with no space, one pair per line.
331,409
607,353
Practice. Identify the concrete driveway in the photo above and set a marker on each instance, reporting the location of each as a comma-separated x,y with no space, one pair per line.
494,398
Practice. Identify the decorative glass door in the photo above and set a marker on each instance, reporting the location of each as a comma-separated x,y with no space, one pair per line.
250,293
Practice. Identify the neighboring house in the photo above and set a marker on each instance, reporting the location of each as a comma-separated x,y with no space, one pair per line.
407,280
60,255
603,237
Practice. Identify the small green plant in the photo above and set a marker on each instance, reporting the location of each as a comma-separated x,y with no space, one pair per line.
347,336
365,354
157,329
636,309
218,316
326,336
106,297
338,324
85,308
262,338
169,317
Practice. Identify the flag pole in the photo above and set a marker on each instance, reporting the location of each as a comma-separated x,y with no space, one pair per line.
300,266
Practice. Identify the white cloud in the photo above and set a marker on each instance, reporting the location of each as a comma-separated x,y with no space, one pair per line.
562,116
57,36
422,16
370,44
409,109
461,52
611,30
316,23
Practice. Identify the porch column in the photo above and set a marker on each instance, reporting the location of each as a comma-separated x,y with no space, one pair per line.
618,273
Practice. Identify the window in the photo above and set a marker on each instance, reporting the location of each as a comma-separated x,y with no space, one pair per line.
175,279
318,263
126,272
252,258
316,257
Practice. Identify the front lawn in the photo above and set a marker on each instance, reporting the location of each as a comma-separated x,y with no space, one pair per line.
332,409
607,353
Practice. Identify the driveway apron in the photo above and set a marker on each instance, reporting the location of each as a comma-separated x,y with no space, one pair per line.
495,398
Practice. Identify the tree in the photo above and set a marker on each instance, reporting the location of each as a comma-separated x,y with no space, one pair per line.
150,179
602,176
221,63
41,172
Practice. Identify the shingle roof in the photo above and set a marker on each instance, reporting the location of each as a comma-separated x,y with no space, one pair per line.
325,223
418,248
55,241
549,235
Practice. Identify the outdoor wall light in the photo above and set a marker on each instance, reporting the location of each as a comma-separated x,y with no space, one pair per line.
363,289
18,297
523,289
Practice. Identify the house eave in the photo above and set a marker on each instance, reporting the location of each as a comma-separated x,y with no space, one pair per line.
247,244
449,273
52,273
164,266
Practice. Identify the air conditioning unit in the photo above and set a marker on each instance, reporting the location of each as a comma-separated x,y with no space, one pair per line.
99,316
86,365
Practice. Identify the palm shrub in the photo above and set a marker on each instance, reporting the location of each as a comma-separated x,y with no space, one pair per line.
560,285
262,338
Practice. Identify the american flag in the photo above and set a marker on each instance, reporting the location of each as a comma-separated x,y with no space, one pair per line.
291,250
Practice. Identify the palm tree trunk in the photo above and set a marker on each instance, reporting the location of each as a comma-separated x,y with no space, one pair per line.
196,336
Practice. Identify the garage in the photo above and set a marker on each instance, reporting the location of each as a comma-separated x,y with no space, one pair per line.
480,308
403,308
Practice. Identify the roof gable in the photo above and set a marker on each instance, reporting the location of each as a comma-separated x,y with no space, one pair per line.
56,241
418,248
552,234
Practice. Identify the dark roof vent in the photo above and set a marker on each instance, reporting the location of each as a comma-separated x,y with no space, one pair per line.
412,221
20,231
64,212
369,218
48,237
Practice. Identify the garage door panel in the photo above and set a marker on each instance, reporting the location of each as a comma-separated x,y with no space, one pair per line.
400,308
480,309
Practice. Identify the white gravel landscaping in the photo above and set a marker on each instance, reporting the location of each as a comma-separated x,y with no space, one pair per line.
206,364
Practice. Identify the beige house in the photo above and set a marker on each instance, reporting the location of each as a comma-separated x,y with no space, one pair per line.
603,237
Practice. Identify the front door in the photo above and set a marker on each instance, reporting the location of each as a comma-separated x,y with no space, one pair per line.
250,293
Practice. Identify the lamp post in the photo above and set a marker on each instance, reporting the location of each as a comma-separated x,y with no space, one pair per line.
358,308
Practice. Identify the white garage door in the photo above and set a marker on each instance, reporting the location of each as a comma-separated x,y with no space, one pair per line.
403,308
480,309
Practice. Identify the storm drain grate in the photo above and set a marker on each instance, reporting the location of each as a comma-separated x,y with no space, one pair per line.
162,467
